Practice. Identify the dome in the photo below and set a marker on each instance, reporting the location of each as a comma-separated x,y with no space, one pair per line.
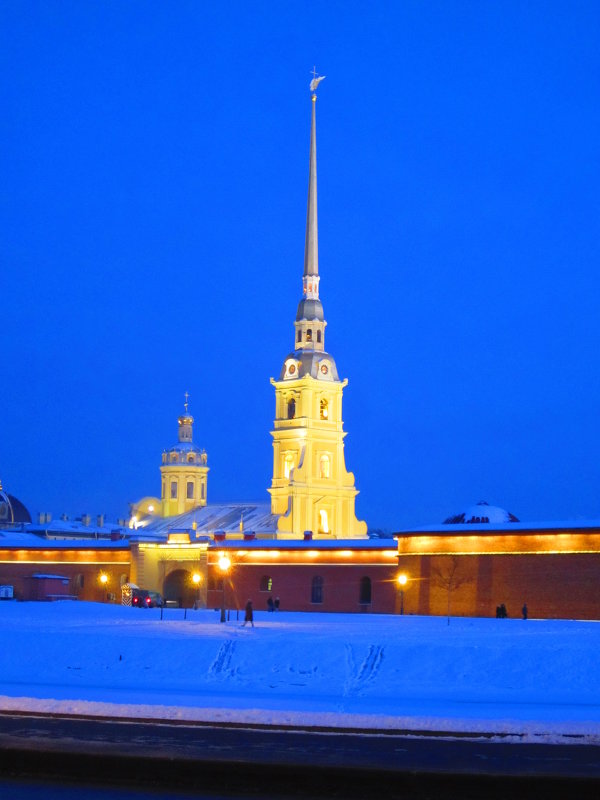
12,510
318,364
310,309
481,513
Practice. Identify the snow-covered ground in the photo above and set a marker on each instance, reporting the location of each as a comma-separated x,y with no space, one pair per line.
355,671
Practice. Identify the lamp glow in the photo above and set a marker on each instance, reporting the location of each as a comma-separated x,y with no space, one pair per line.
224,563
196,578
402,580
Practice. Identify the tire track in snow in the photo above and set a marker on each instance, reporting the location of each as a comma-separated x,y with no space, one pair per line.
361,677
221,666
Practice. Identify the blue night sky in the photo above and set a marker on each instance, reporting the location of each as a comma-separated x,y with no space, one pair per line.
154,161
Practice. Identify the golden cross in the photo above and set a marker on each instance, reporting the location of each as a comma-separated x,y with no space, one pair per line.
185,405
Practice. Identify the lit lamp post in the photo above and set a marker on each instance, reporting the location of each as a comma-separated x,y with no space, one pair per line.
402,581
103,581
196,579
224,564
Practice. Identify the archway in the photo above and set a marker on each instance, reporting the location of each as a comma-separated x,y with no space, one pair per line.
179,587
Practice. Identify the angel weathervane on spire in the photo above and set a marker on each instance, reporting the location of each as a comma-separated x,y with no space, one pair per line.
316,80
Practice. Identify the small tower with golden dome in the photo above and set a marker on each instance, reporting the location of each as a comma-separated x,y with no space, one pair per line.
311,489
184,471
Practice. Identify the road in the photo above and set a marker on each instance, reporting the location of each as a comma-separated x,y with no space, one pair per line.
90,747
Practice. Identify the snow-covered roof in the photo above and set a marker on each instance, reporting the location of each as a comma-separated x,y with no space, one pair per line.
306,544
508,528
36,540
481,513
226,517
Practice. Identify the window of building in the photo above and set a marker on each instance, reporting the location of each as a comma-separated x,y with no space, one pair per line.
214,583
203,491
164,488
324,405
319,337
323,521
364,596
291,408
309,334
173,490
191,458
299,336
316,589
266,584
190,490
324,466
288,465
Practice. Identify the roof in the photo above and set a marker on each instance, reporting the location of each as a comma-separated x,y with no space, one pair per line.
482,529
481,513
309,363
207,519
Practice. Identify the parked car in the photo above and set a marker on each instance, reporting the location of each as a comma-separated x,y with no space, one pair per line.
142,598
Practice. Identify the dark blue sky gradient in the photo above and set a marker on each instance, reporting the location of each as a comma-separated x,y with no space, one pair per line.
154,162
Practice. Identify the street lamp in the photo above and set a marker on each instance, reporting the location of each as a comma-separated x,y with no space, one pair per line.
402,580
224,564
196,580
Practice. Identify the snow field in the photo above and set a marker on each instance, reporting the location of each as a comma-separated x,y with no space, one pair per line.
369,671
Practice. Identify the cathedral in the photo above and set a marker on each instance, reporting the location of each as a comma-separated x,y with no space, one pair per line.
312,493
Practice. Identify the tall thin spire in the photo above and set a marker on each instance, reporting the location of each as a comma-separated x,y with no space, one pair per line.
311,247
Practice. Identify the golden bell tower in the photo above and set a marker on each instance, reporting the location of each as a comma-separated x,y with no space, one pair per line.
184,471
311,489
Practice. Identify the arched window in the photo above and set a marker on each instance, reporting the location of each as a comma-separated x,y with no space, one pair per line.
299,336
324,405
288,465
266,584
191,458
319,337
324,466
316,589
323,521
203,491
190,490
173,457
173,490
309,334
291,408
364,597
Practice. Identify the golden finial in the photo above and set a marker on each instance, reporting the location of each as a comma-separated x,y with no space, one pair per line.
185,405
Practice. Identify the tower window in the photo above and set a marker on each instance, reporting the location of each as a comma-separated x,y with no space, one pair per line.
364,596
316,589
291,408
288,465
324,466
323,521
173,490
299,336
173,457
319,337
324,409
190,490
309,334
203,491
191,458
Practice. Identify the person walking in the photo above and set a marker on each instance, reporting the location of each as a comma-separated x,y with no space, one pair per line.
276,604
270,604
249,614
524,610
